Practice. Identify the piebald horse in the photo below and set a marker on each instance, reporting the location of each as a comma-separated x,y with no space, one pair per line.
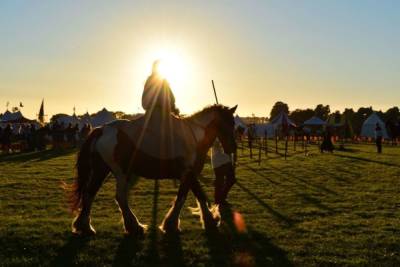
129,149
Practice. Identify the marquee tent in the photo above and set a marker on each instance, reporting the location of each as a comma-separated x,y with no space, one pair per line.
314,121
85,119
369,125
15,117
264,128
239,122
66,119
282,119
102,117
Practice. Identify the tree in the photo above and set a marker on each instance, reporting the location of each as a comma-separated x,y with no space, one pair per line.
299,116
392,115
278,108
322,111
56,116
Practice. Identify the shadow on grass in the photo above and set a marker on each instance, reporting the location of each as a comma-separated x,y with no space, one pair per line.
275,213
368,160
172,247
259,173
36,156
68,253
234,245
133,252
305,182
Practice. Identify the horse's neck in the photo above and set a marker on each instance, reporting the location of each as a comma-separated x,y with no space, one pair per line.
202,129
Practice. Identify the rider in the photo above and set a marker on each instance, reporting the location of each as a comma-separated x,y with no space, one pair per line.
157,94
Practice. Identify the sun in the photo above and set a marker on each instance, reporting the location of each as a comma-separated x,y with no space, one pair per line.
172,68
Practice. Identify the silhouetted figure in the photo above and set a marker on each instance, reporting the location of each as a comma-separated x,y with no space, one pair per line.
326,144
7,134
157,94
224,172
70,134
41,138
378,138
30,133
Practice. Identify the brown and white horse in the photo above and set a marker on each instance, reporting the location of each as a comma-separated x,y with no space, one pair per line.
113,148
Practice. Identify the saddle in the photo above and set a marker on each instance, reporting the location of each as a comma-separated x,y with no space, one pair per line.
160,136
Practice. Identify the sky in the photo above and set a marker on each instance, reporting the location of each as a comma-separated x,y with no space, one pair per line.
95,54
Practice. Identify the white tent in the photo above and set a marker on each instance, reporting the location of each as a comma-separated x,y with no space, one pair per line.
85,119
66,119
239,122
280,119
369,125
264,128
14,117
102,117
7,116
314,121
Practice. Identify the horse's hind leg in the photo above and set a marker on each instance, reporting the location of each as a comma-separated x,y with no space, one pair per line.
170,223
209,219
131,223
81,224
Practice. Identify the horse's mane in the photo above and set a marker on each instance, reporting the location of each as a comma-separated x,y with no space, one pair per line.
206,109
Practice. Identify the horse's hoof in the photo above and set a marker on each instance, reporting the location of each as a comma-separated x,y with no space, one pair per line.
138,232
170,228
84,233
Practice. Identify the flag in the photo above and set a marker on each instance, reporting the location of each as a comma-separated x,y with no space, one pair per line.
41,112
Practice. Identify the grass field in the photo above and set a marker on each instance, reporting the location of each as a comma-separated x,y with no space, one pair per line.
317,210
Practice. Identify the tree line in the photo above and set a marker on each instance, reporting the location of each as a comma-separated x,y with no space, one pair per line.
356,118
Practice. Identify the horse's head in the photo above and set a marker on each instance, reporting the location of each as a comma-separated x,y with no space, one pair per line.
225,125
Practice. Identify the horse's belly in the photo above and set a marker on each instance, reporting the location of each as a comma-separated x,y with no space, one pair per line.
132,160
158,169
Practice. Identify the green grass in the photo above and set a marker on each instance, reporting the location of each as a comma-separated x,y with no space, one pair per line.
317,210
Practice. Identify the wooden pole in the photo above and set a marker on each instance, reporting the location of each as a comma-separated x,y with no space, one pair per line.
215,92
266,143
286,145
259,151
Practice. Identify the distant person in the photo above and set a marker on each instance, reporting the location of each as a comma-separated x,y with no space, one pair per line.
7,135
378,137
157,93
326,144
224,172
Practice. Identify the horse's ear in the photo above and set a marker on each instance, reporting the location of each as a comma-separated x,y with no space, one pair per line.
232,110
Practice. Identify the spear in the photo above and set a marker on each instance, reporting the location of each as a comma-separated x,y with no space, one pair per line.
215,92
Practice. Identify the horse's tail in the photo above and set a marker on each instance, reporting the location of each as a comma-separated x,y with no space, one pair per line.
83,171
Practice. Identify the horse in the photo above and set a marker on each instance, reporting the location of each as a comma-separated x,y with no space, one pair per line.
113,148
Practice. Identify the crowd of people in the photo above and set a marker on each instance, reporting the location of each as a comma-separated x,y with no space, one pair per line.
33,137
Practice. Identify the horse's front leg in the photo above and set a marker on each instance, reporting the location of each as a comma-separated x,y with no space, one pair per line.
170,223
209,218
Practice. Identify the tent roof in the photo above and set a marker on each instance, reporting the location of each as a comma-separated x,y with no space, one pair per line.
264,128
369,125
67,119
102,117
15,117
373,119
314,121
239,122
282,118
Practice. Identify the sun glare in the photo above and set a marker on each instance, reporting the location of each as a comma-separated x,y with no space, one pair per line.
173,66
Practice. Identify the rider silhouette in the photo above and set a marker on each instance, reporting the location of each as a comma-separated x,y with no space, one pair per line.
157,93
